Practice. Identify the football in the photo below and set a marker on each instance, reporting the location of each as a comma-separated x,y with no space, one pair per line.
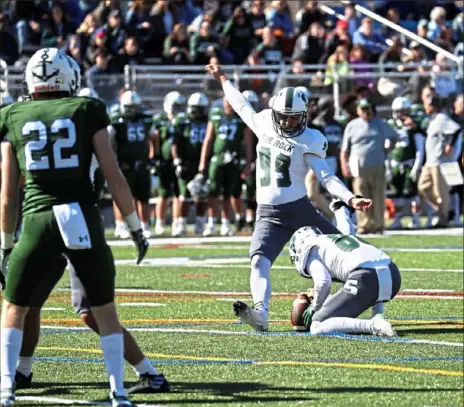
299,305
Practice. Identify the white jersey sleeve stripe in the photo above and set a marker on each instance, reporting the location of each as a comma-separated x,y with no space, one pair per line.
241,106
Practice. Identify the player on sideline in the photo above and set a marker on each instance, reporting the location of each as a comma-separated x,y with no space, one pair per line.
286,150
370,278
51,140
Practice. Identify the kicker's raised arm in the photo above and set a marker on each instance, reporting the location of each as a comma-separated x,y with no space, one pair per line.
241,106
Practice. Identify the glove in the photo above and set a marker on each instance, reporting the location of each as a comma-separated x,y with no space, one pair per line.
180,171
141,244
414,174
4,257
308,316
154,164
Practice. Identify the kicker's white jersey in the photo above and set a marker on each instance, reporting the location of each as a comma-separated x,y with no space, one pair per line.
281,168
340,254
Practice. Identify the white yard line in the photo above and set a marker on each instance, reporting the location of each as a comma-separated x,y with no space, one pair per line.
66,402
141,304
53,309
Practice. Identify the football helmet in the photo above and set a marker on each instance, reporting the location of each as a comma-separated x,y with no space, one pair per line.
198,186
301,238
197,105
5,99
289,112
251,97
174,103
400,106
131,103
89,92
50,70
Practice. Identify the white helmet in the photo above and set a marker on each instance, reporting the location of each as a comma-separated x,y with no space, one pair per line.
197,105
303,238
5,99
50,70
251,97
289,102
89,92
174,103
306,91
400,106
131,102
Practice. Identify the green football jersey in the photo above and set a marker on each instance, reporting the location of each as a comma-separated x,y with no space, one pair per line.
132,138
53,142
405,148
229,132
189,135
163,125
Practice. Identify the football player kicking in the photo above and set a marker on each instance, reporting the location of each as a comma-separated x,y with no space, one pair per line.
286,150
51,140
370,278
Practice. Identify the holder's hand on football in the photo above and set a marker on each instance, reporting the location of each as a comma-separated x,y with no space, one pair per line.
141,244
361,204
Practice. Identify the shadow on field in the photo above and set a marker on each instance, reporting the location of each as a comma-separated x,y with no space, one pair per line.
380,390
430,331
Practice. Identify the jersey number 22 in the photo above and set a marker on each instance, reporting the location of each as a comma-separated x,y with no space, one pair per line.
36,146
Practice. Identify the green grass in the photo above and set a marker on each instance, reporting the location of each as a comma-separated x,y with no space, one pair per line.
280,369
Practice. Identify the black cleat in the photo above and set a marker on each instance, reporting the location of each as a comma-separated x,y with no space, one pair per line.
239,308
120,401
22,381
240,224
150,384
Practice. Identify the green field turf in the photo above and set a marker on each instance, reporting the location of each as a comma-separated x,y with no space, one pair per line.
212,360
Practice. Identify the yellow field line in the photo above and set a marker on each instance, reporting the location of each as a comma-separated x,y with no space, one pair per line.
390,368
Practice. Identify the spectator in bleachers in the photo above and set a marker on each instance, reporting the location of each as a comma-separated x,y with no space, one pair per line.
27,17
238,35
269,52
225,11
338,64
394,16
103,66
211,17
443,77
458,27
393,54
186,11
97,46
422,28
258,18
87,6
74,50
86,30
176,46
130,54
72,10
203,45
138,20
417,56
8,45
278,17
337,37
103,10
308,15
352,19
437,21
358,56
310,46
373,42
57,28
115,31
445,39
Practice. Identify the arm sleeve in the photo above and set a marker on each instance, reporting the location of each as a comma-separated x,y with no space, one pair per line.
419,139
241,106
321,278
327,178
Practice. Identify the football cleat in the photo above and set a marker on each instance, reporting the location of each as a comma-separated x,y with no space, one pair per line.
226,230
120,401
150,384
146,232
159,229
251,316
22,381
415,222
240,224
122,231
210,230
382,327
7,397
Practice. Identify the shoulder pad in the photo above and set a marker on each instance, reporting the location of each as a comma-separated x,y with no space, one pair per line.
315,142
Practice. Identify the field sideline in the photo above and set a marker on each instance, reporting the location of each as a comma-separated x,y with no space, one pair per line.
178,305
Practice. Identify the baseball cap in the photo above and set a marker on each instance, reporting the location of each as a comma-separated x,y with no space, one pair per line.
414,44
423,23
342,24
100,33
362,103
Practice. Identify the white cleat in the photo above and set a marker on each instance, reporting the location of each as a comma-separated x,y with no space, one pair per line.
251,317
382,327
226,230
7,398
159,230
146,233
210,230
122,232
